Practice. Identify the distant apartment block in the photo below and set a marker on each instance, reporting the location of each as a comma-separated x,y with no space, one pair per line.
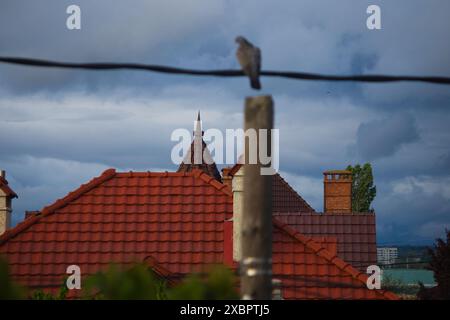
387,255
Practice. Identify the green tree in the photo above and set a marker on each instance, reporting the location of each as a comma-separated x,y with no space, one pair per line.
9,290
42,295
137,282
363,190
440,265
140,282
219,284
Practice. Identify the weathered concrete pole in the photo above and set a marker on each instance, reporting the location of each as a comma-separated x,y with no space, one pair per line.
256,237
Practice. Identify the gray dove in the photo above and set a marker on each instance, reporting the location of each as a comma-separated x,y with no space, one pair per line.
249,58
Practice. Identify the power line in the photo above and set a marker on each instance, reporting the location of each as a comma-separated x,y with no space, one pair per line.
404,263
220,73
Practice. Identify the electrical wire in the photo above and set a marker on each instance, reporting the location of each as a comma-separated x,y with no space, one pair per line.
221,73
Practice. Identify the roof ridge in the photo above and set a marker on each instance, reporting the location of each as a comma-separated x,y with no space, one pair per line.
159,269
234,169
315,213
71,196
4,185
152,173
197,173
321,251
211,181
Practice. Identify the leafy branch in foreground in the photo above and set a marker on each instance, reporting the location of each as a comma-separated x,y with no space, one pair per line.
8,288
140,283
440,265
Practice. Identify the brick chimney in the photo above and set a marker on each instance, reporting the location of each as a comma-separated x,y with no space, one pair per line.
337,191
6,195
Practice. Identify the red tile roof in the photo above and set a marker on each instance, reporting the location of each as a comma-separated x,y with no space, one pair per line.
286,199
355,233
308,270
6,189
176,218
176,222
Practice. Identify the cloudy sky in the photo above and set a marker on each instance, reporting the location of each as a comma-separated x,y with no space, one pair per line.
60,128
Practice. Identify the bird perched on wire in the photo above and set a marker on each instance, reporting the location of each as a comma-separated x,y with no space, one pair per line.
249,58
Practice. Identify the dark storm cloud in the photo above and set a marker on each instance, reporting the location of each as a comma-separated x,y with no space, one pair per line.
118,131
423,219
384,137
147,31
308,35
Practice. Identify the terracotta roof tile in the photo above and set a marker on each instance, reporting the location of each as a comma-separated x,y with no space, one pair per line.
108,219
321,273
284,197
355,234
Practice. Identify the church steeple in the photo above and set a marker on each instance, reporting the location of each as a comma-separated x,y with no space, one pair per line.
198,156
198,126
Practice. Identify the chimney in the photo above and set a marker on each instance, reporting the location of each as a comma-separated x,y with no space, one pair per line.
237,183
337,191
6,194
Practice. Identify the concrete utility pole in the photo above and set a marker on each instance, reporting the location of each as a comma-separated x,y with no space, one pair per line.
256,263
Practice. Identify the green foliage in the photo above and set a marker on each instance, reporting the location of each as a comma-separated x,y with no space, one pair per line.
363,190
41,295
139,282
440,261
8,289
118,283
218,285
399,287
394,285
440,265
